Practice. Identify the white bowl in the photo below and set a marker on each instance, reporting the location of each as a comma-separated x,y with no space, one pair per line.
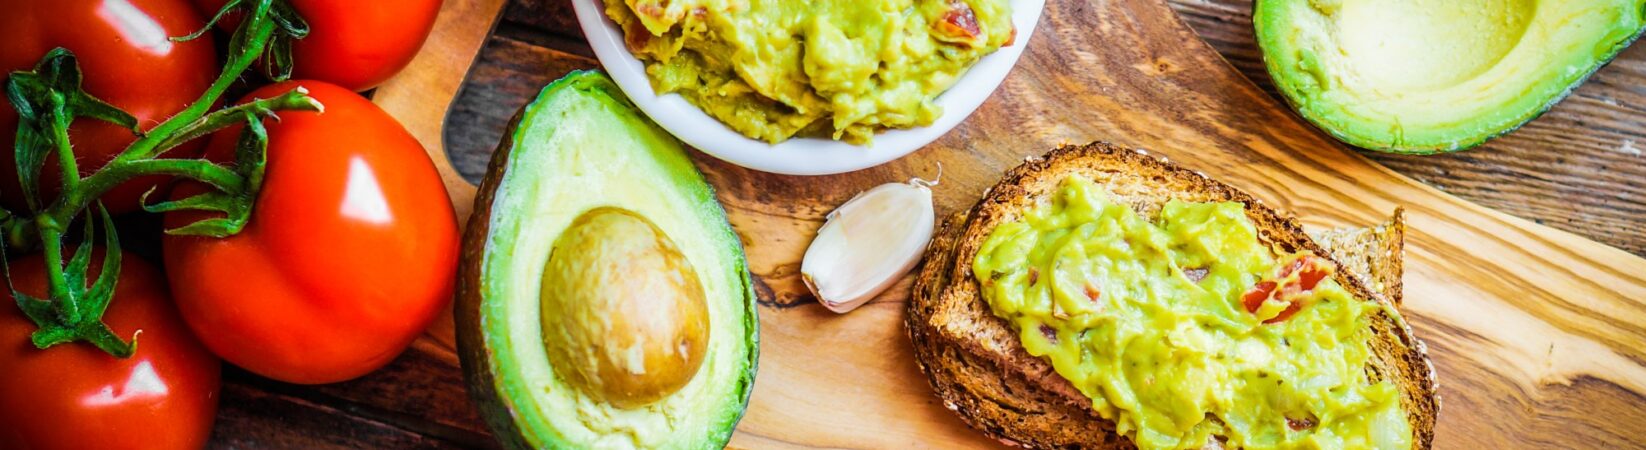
798,156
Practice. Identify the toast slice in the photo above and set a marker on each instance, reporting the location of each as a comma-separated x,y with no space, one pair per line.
1373,254
979,368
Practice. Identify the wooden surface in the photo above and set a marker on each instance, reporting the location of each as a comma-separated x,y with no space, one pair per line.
1537,334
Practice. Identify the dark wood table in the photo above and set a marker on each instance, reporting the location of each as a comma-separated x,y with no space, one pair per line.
1578,168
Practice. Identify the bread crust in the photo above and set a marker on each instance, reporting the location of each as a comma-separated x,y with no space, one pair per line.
979,368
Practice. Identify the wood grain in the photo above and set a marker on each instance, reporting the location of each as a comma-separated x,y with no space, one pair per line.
1536,333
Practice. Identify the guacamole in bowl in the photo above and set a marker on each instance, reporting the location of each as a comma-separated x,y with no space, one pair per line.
840,69
810,151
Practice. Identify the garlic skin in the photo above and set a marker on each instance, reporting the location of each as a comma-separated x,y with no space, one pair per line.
868,243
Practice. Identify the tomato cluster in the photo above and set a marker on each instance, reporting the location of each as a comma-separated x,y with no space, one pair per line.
349,253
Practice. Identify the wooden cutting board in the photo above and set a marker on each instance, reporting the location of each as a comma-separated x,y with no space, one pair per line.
1539,336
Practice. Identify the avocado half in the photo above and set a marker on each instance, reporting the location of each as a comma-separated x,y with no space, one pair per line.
1428,76
604,300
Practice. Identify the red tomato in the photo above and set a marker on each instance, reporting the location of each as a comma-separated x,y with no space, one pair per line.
1313,269
126,59
350,252
1262,291
74,396
354,44
1295,280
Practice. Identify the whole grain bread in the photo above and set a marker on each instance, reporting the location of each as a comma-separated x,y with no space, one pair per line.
1372,254
980,370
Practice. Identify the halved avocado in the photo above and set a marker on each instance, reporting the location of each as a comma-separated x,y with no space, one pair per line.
604,301
1427,76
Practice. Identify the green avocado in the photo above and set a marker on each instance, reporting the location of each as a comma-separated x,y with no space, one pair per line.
603,299
1428,76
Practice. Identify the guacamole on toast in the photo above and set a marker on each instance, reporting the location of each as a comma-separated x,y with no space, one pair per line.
1189,327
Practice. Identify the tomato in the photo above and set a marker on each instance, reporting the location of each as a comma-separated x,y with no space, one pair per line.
1309,269
1294,281
74,396
354,44
126,59
350,252
1261,292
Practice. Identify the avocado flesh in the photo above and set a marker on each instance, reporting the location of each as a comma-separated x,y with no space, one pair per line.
577,147
1426,76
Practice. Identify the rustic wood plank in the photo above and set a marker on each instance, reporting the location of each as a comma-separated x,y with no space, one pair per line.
417,401
554,17
258,413
251,417
508,74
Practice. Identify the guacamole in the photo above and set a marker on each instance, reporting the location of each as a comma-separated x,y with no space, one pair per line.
838,68
1189,327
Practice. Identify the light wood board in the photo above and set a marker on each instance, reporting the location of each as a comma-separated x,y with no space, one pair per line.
1538,335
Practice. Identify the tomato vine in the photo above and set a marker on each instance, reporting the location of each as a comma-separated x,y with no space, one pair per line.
49,98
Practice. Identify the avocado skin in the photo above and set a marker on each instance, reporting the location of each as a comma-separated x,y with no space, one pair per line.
1285,81
474,355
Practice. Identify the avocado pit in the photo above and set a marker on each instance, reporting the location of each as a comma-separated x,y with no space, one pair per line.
623,311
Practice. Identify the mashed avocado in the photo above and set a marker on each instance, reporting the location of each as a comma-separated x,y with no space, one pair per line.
772,69
1189,328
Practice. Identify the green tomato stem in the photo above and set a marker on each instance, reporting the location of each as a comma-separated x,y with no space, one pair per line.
293,100
65,152
51,233
251,40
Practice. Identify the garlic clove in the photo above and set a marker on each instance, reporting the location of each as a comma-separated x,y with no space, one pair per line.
868,243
